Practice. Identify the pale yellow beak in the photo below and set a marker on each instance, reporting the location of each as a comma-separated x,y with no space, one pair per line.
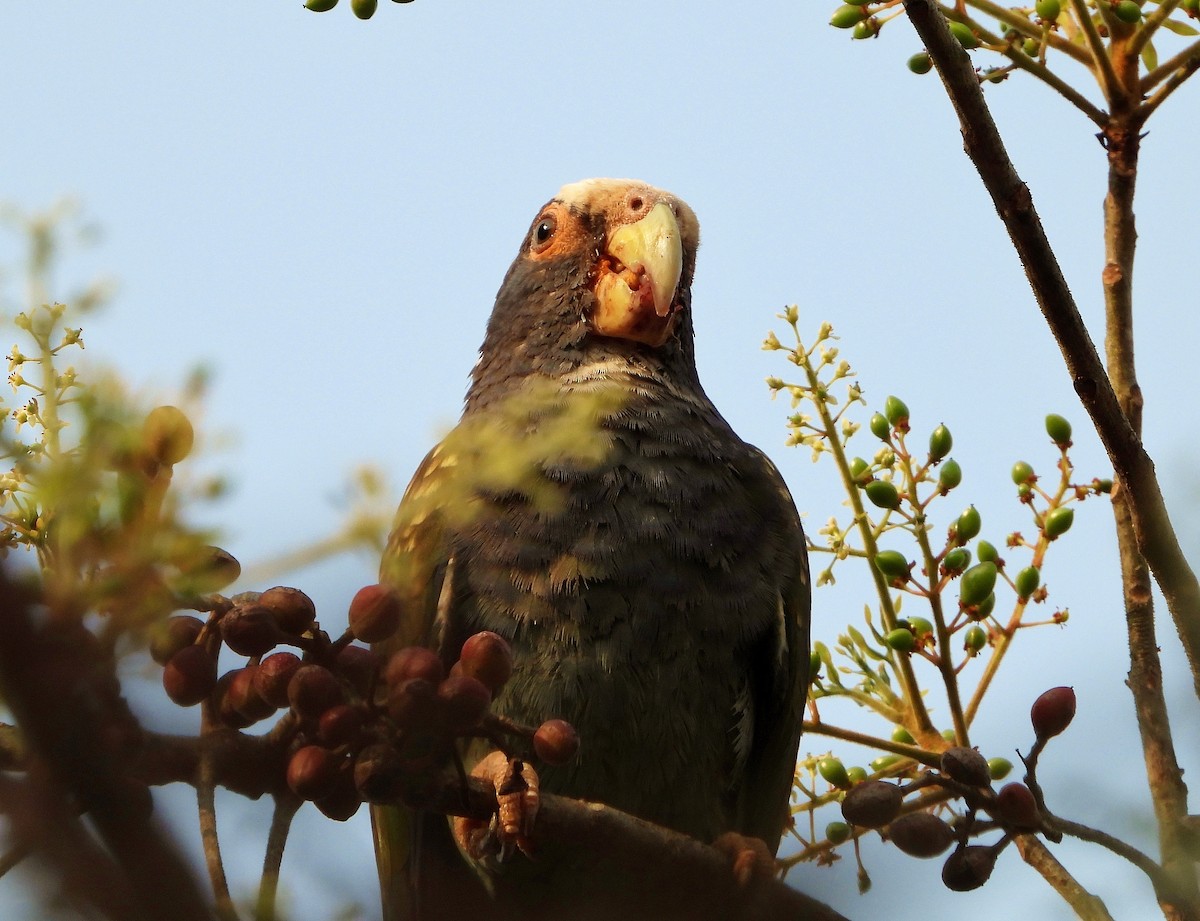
639,278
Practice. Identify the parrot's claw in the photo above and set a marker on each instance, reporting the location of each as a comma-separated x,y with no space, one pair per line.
749,858
517,798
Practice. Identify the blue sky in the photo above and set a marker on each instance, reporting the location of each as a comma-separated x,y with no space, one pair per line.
319,210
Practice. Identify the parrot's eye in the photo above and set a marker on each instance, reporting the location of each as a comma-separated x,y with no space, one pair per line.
543,233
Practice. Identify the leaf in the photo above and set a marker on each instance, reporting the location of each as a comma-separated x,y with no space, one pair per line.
1179,28
1149,56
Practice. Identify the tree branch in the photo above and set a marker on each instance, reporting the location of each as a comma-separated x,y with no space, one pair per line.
1156,537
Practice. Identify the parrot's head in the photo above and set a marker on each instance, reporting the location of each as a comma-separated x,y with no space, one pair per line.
604,272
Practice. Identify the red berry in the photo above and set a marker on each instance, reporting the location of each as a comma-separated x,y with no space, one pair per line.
293,610
273,675
1052,712
313,690
413,662
375,613
249,630
189,676
342,802
414,704
339,725
244,697
556,741
1016,807
465,702
172,634
359,666
487,657
312,771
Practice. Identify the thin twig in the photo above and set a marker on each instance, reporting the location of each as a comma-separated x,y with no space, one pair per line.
268,887
1185,61
1101,62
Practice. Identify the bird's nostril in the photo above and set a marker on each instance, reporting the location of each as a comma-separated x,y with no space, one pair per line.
635,204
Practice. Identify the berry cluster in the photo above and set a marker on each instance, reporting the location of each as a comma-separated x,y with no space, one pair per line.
360,726
964,774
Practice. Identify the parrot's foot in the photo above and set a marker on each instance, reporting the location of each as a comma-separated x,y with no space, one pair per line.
517,798
749,858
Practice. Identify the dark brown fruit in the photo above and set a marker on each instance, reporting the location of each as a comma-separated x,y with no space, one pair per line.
172,634
342,802
339,725
312,772
250,630
414,704
189,676
464,702
226,711
293,610
487,657
556,742
872,804
1016,807
375,613
378,774
1052,712
313,690
273,675
966,766
968,868
359,666
413,662
921,834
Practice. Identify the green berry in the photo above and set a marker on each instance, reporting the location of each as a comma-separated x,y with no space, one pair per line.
940,442
901,640
1058,428
879,426
834,772
868,28
1022,473
837,832
896,412
985,607
920,627
883,494
999,768
1106,486
950,735
1048,10
965,36
847,16
968,525
1031,46
857,774
884,762
320,6
903,736
922,63
950,475
364,9
858,467
892,564
814,665
1128,11
1027,581
957,560
977,583
975,638
986,552
1058,522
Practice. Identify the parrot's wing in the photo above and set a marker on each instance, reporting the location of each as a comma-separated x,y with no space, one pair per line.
417,563
779,667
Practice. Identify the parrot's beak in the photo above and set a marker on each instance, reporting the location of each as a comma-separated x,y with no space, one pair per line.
638,279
